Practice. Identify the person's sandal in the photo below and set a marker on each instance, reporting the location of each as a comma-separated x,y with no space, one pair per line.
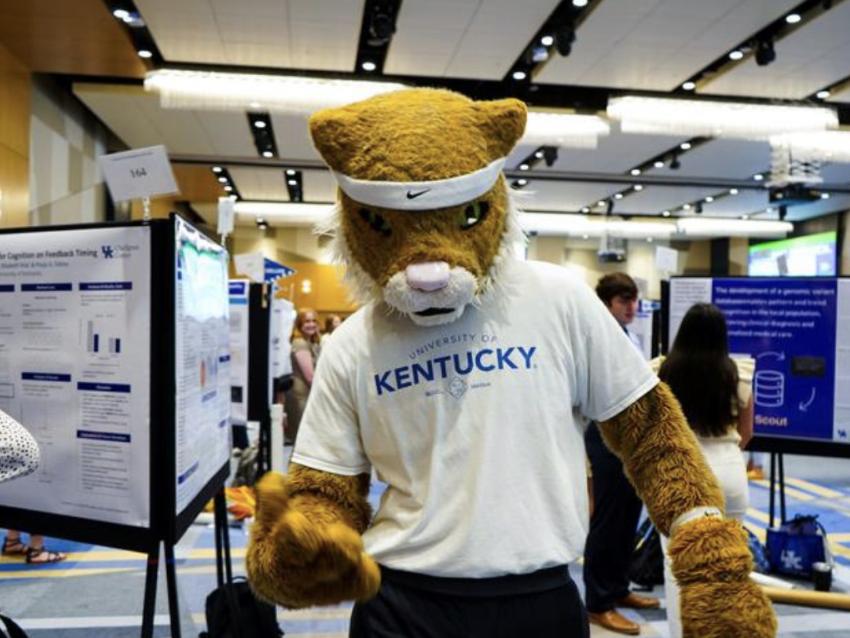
14,547
35,554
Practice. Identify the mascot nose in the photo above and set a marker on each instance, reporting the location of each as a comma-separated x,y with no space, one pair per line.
428,276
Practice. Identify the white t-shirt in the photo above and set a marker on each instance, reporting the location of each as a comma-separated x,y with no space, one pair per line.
472,425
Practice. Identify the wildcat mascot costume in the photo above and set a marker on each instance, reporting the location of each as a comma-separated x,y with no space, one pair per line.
464,383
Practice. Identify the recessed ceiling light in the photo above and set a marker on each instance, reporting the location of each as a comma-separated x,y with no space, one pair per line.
649,239
524,167
689,86
522,182
268,154
216,169
585,236
222,179
292,182
685,146
254,105
709,199
368,65
733,191
290,171
144,53
259,124
585,209
758,177
745,216
824,195
793,18
618,196
822,95
121,14
635,171
736,54
638,187
579,3
601,202
658,164
228,188
547,40
520,75
665,213
538,154
686,207
233,197
261,220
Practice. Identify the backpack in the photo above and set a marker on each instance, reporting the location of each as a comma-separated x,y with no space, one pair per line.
234,612
646,566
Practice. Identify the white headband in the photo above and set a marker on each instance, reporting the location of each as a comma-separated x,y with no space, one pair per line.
440,193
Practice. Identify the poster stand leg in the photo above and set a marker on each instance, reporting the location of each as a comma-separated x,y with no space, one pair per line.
777,482
150,592
772,487
224,566
171,580
782,487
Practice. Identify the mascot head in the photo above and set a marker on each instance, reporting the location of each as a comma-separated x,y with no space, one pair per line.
424,218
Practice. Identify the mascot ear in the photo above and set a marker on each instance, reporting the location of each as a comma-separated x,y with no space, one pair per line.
335,135
503,123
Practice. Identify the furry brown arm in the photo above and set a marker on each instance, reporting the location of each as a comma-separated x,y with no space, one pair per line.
661,457
305,545
711,560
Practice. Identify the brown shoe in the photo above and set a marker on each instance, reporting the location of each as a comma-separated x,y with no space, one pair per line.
614,621
633,601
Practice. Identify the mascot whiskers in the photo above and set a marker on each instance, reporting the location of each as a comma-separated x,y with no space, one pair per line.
462,382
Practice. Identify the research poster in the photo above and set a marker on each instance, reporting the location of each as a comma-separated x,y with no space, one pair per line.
202,361
798,331
280,333
238,297
75,369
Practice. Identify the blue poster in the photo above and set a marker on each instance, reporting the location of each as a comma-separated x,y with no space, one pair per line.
789,327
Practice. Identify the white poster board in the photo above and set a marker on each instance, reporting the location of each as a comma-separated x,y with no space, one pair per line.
75,369
202,361
239,290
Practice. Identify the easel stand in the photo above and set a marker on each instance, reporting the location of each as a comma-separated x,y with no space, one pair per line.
777,479
223,564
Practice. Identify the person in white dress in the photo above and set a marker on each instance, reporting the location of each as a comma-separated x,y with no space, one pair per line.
715,391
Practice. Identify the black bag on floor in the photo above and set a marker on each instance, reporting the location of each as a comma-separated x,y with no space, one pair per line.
646,567
234,612
13,630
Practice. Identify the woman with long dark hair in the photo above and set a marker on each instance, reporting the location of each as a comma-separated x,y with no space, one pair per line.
715,391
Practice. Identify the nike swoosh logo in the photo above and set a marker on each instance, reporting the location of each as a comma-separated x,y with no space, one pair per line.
412,195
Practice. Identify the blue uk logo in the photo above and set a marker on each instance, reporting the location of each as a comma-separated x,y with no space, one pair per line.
108,252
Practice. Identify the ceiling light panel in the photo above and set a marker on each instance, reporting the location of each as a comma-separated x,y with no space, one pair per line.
657,45
463,38
653,199
179,89
812,57
716,119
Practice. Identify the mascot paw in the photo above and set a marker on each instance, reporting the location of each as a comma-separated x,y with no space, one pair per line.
301,555
712,563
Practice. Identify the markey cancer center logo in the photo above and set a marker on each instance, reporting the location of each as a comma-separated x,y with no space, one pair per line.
455,367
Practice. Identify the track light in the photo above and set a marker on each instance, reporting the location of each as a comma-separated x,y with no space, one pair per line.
565,35
698,208
765,53
519,75
689,85
547,40
381,26
783,213
822,95
793,18
610,207
658,164
635,172
550,155
675,164
537,54
737,54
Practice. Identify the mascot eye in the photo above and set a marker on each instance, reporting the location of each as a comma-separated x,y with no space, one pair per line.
473,214
376,222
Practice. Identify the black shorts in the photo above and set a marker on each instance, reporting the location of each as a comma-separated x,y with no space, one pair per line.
545,604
